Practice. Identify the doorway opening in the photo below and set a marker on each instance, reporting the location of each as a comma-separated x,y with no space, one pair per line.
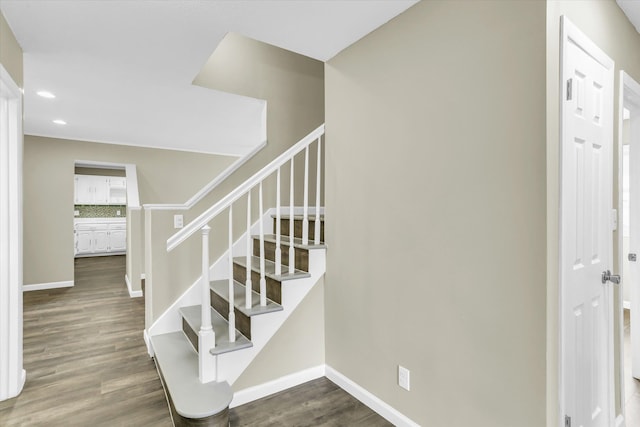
99,210
628,297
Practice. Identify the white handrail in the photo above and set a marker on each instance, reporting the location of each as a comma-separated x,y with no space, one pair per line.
204,218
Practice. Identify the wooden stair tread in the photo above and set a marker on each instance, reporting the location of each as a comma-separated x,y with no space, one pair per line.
221,287
299,217
297,242
220,325
178,363
270,268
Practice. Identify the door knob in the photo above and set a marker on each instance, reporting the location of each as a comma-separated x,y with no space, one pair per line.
608,277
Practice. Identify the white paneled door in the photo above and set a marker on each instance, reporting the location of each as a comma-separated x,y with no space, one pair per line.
586,231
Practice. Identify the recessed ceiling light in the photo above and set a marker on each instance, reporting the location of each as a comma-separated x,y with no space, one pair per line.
46,94
59,122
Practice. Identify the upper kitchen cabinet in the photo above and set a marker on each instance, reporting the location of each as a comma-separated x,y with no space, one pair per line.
117,190
100,190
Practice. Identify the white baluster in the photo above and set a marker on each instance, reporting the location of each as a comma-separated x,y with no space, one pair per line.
248,284
263,280
278,254
232,313
292,255
316,231
206,335
305,218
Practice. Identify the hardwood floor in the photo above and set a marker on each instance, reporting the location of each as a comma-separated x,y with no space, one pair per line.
316,403
87,365
85,357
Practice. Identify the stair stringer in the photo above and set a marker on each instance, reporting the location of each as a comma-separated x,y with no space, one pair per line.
231,365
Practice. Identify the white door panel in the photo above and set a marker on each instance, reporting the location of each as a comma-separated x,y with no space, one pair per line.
586,185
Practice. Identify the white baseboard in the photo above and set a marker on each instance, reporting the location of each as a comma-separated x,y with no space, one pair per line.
258,392
132,293
50,285
147,341
376,404
626,304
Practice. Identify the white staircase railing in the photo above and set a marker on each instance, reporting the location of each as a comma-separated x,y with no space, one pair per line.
206,334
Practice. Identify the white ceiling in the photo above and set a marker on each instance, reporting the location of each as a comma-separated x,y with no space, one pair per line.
632,9
121,70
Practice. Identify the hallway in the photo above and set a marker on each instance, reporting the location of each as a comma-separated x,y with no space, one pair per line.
87,365
85,357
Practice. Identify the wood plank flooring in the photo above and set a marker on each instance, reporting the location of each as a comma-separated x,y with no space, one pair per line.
316,403
85,357
87,365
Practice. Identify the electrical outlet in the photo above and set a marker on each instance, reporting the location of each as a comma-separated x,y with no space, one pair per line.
177,221
76,213
404,378
117,213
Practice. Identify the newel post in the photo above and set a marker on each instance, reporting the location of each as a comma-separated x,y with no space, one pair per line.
206,336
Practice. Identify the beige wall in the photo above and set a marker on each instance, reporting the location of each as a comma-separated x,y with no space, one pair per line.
163,176
10,52
289,350
293,86
436,212
604,22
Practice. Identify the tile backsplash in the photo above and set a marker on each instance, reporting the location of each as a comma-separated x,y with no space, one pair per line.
100,211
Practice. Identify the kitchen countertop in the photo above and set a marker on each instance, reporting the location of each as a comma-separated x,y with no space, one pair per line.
117,219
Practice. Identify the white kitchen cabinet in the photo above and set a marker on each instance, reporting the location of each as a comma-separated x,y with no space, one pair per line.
117,191
117,237
84,241
100,190
83,193
102,237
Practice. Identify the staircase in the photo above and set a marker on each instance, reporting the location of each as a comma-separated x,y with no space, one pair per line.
198,362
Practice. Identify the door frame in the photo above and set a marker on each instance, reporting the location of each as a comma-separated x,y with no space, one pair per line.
12,374
628,95
571,33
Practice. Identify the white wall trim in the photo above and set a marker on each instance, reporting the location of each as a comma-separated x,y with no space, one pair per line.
12,374
132,293
283,383
147,341
376,404
50,285
626,304
211,185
